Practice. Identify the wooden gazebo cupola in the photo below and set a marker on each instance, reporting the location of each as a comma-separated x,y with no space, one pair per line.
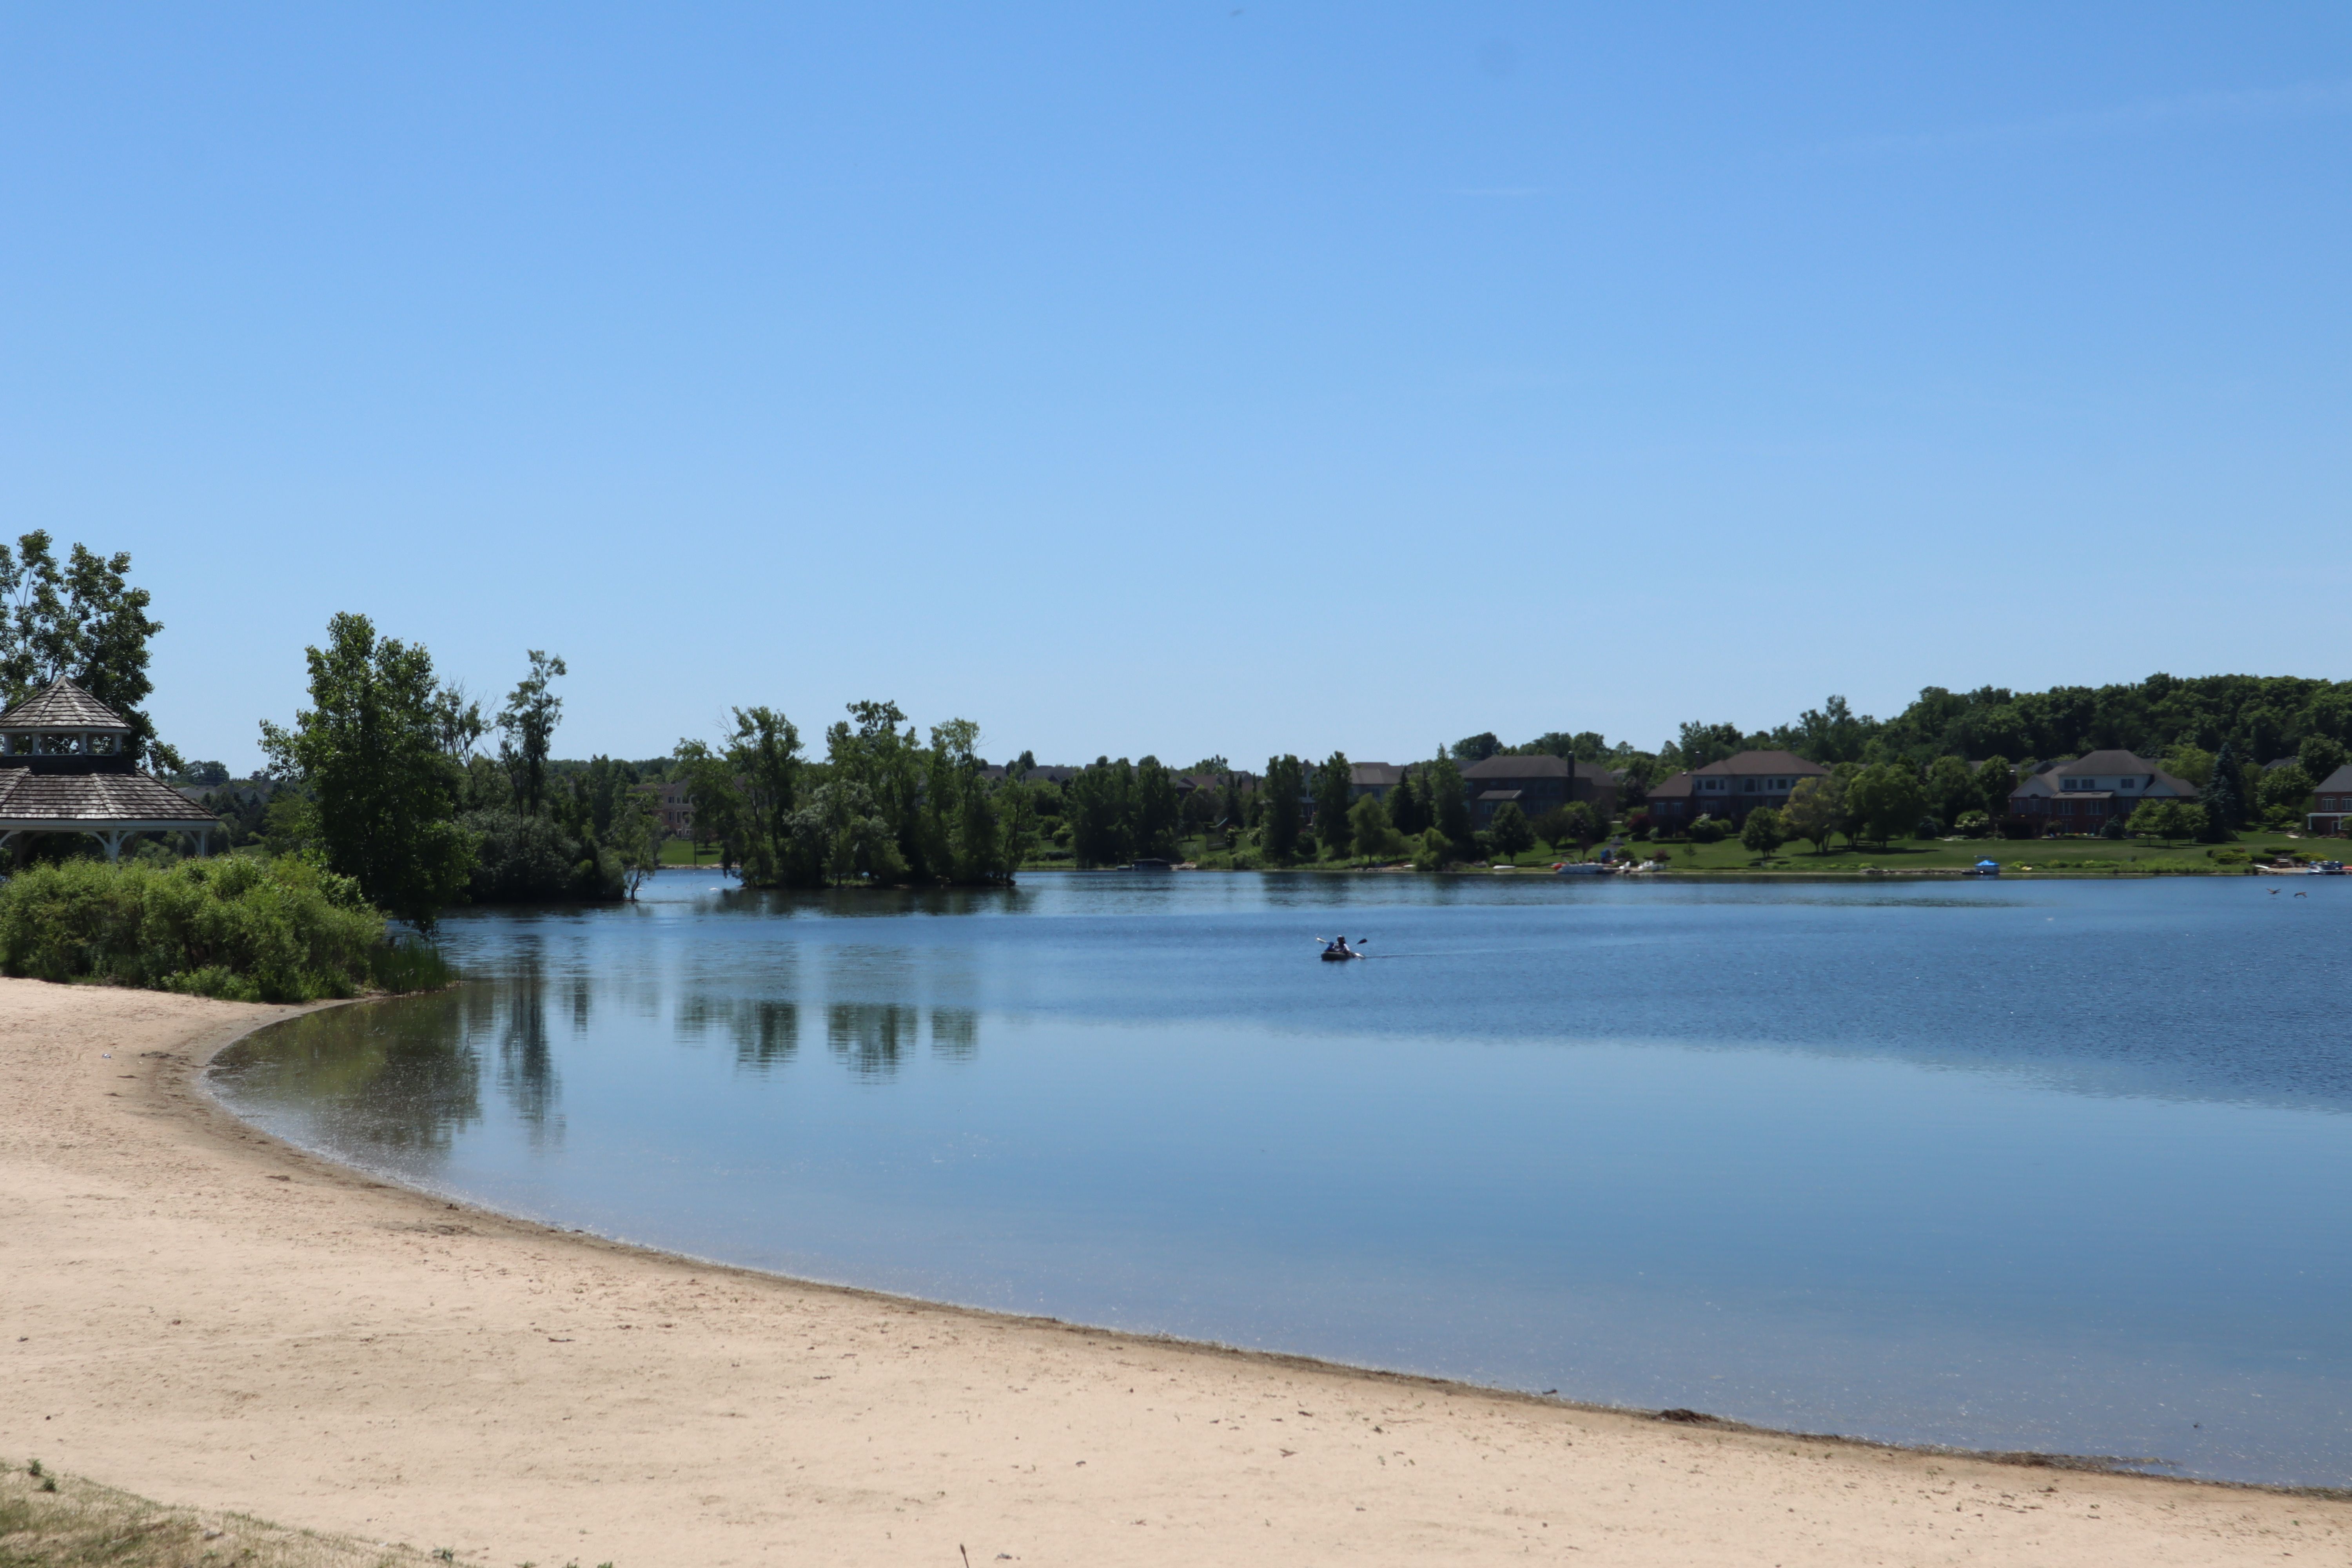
66,765
65,730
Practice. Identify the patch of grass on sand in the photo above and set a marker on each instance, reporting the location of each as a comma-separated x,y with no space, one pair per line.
81,1522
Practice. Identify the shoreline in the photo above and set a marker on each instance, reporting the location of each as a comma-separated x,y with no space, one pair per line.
1023,1432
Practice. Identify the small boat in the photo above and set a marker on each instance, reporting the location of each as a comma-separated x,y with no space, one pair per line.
1579,868
1333,955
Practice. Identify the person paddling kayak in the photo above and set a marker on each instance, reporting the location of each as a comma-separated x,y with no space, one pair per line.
1337,948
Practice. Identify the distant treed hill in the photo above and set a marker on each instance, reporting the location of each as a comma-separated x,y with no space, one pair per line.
2260,717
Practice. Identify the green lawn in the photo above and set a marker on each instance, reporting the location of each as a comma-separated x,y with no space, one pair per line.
2074,857
678,852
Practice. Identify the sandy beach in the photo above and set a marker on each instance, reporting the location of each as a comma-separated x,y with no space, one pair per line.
192,1311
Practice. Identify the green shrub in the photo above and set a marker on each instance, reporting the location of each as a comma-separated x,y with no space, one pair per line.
282,929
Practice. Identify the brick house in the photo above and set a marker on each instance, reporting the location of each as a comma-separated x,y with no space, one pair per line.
1536,783
2331,803
673,805
1374,779
1730,788
2080,797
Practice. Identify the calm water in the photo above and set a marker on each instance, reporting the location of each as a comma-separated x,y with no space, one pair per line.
2060,1165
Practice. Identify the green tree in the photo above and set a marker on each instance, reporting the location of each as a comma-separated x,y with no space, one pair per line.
636,836
717,802
2320,756
1477,748
366,755
527,727
1996,780
1331,788
1761,832
2158,819
1951,788
1884,800
79,621
1408,808
1449,804
1155,810
1370,831
1512,836
2190,763
2225,801
1703,743
1285,782
1098,810
1816,809
2287,790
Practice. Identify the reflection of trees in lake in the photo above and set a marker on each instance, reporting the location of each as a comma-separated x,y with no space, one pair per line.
765,1033
397,1074
526,1063
955,1033
869,1037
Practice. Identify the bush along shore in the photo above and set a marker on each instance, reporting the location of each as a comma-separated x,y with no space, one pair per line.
238,928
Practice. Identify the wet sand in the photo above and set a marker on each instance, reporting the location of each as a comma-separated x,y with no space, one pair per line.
197,1312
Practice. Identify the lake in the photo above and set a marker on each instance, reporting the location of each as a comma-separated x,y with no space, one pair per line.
2055,1166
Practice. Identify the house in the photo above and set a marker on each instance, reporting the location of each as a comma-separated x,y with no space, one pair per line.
674,805
1730,788
2331,802
1374,779
1536,783
2080,797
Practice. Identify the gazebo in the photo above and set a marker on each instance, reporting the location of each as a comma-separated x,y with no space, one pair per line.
66,766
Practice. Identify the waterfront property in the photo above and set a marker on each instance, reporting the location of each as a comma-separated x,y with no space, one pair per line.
2082,796
2331,802
1536,784
674,804
1730,788
66,765
1374,779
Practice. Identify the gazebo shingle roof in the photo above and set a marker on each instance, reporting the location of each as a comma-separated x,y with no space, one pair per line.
27,799
63,706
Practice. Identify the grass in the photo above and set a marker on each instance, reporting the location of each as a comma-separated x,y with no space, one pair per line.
81,1524
2078,856
2070,857
680,852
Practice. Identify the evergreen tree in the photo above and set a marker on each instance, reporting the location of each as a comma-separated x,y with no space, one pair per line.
2225,807
1449,808
1285,782
1332,782
1408,809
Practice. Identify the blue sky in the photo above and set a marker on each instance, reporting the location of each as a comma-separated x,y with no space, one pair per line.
1187,378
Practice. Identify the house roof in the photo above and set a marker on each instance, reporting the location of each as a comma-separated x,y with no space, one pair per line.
2110,762
2339,781
30,799
1747,762
1671,788
1501,794
1538,765
62,705
1375,775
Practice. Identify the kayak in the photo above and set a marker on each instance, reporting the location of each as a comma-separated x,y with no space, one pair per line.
1331,955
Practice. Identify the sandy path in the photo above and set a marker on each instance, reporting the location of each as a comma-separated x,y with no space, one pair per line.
192,1311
